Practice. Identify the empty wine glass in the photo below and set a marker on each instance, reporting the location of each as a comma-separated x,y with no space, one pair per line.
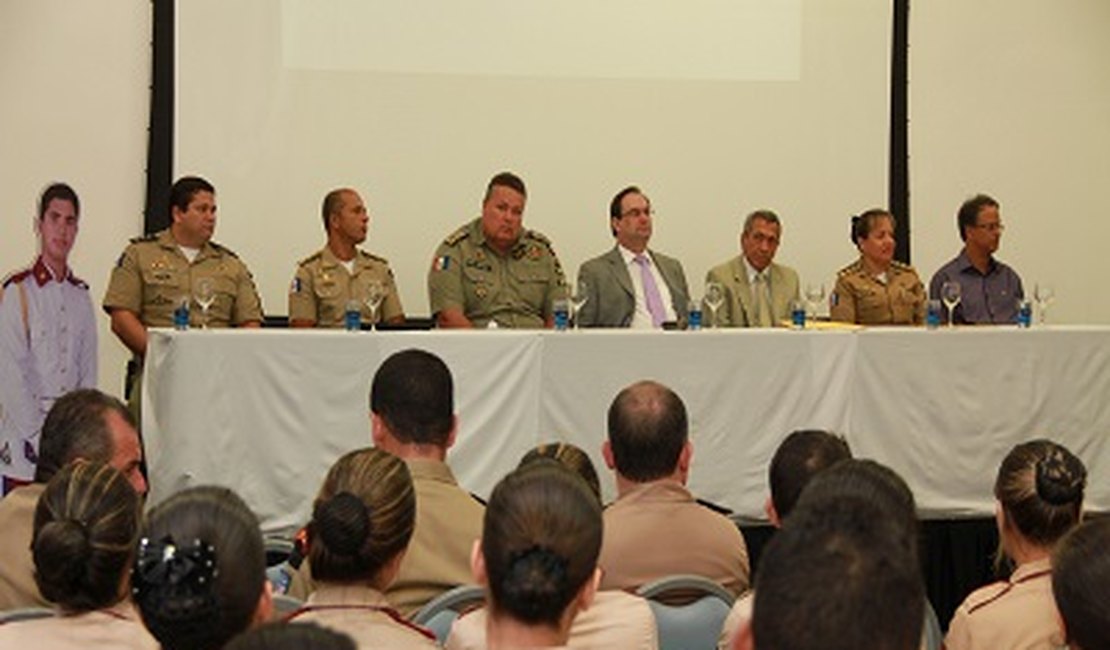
578,299
205,294
375,294
714,298
1043,294
815,296
950,294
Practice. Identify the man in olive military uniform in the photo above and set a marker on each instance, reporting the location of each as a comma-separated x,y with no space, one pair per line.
340,272
157,273
492,270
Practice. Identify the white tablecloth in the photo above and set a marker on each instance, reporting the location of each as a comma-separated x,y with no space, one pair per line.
267,412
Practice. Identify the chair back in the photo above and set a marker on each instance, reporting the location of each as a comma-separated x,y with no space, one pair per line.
441,611
689,611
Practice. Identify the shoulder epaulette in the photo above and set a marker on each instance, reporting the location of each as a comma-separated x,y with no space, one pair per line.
311,258
16,276
901,266
538,236
77,282
223,249
376,258
851,268
457,236
145,238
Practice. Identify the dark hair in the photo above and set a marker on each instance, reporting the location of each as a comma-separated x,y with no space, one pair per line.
873,482
764,215
75,428
505,179
58,191
414,394
647,431
1040,485
85,526
185,188
865,221
838,577
968,216
615,204
541,536
291,636
799,457
200,569
1080,573
333,201
362,517
570,456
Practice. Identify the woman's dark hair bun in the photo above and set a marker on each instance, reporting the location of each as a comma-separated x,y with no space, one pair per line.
1060,481
343,523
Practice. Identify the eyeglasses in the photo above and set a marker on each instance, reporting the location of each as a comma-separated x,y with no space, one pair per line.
991,227
638,212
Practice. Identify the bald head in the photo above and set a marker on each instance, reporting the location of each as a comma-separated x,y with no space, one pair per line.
648,430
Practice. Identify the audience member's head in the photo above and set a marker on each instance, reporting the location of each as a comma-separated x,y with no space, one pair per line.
837,577
362,519
90,425
412,402
648,434
570,456
1080,575
538,554
85,527
1039,489
291,636
797,460
200,570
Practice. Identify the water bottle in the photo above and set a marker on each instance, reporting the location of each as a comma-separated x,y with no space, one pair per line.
352,316
798,314
932,314
1025,314
181,315
561,308
693,316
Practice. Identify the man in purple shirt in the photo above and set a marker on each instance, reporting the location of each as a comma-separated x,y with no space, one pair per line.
989,290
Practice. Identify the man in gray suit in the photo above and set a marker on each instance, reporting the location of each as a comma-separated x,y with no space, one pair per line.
631,285
757,291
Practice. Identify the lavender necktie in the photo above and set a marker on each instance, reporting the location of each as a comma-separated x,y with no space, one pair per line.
651,292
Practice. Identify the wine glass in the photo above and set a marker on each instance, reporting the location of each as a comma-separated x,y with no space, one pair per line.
205,294
578,299
950,294
375,294
815,295
1043,294
714,298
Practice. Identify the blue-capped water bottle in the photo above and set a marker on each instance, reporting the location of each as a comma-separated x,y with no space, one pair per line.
352,316
560,307
1024,314
693,316
181,314
798,314
933,311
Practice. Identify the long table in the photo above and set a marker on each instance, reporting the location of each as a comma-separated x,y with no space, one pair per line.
267,412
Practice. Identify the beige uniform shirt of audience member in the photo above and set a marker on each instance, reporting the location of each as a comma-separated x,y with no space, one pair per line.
659,530
322,287
17,579
116,627
448,521
514,290
861,298
615,619
1019,614
363,614
153,276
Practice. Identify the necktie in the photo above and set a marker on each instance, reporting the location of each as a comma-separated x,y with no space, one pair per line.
651,292
762,301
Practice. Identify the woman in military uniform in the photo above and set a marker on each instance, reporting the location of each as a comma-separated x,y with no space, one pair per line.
876,289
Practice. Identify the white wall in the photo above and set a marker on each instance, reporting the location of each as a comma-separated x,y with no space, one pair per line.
1012,98
74,79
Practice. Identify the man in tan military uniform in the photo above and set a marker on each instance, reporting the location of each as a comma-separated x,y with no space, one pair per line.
156,273
895,297
340,272
493,270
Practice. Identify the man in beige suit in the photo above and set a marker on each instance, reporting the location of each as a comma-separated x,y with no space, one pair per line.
757,291
656,528
412,416
83,424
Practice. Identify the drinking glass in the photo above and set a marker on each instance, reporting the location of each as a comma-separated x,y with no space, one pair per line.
815,295
375,294
205,294
950,294
578,299
1044,295
714,298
